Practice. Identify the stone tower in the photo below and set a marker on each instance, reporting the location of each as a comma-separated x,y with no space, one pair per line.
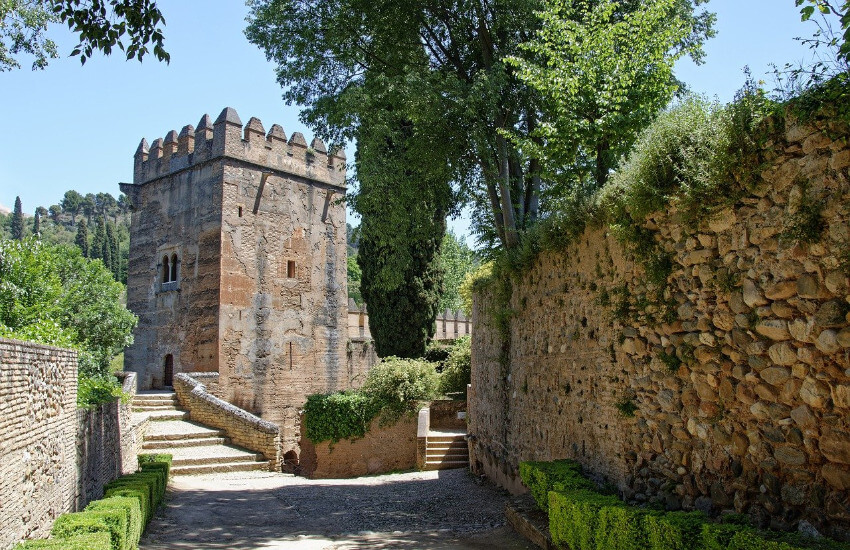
238,264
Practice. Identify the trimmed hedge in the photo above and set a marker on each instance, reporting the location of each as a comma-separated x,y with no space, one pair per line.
674,530
86,541
132,510
115,522
580,518
573,517
558,475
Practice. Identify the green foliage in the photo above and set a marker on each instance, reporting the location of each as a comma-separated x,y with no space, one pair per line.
354,277
132,511
574,517
717,536
626,407
674,530
341,415
543,477
437,352
621,527
670,360
458,260
806,223
457,372
140,493
113,522
749,539
98,389
99,540
51,294
472,281
17,225
596,105
398,383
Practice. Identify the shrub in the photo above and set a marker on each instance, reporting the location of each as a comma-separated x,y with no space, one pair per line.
770,540
674,530
139,492
574,515
341,415
398,383
437,352
113,522
132,511
457,372
98,389
621,527
717,536
99,540
560,475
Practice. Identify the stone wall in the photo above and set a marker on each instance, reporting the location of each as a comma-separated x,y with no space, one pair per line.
383,449
242,427
729,389
56,458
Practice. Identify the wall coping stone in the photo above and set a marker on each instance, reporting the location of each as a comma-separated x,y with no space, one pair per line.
199,390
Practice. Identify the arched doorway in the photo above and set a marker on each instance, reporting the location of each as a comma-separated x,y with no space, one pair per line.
168,377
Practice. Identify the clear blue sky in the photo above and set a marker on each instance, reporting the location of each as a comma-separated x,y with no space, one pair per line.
77,127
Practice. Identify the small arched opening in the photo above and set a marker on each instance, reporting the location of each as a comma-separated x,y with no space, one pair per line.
290,461
168,368
166,270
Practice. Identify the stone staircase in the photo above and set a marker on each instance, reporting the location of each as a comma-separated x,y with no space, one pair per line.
445,450
195,448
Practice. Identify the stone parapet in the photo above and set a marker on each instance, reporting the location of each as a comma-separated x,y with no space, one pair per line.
226,137
242,427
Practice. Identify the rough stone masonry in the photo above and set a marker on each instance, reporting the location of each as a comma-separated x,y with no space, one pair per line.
732,392
238,265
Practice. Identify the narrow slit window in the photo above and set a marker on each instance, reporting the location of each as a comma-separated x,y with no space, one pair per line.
166,271
240,211
174,267
290,269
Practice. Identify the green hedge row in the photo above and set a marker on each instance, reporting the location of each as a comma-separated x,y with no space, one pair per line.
581,518
115,522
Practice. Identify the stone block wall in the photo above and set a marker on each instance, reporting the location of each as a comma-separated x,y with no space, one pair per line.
727,390
383,449
242,427
56,458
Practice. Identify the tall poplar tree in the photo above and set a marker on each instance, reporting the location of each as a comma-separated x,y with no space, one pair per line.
97,243
36,224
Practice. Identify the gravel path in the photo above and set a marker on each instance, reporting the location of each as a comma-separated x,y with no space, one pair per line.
415,510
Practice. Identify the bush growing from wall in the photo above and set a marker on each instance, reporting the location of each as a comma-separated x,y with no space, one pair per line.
457,369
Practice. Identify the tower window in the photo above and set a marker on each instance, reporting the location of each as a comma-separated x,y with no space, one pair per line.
173,267
240,211
290,269
166,271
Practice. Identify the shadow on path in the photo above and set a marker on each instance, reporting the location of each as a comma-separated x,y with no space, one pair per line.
439,510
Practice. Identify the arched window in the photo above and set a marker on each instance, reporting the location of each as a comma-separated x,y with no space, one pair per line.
166,272
173,267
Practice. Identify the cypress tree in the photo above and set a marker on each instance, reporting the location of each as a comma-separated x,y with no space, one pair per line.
36,224
114,259
18,221
82,239
96,248
106,246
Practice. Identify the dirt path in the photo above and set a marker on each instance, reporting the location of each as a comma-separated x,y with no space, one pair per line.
416,510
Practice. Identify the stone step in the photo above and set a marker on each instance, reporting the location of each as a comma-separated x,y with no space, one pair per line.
441,454
210,454
154,408
194,442
160,416
446,439
445,464
220,467
446,444
179,430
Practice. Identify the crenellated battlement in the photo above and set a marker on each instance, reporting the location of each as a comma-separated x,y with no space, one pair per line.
226,137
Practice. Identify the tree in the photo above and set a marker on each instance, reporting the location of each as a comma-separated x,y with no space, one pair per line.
105,203
464,93
71,203
457,261
17,226
354,277
82,238
131,25
98,241
836,8
36,223
603,70
55,211
89,206
114,263
53,295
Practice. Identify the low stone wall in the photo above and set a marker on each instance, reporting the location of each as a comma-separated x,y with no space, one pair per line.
725,388
447,414
242,427
55,458
383,449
